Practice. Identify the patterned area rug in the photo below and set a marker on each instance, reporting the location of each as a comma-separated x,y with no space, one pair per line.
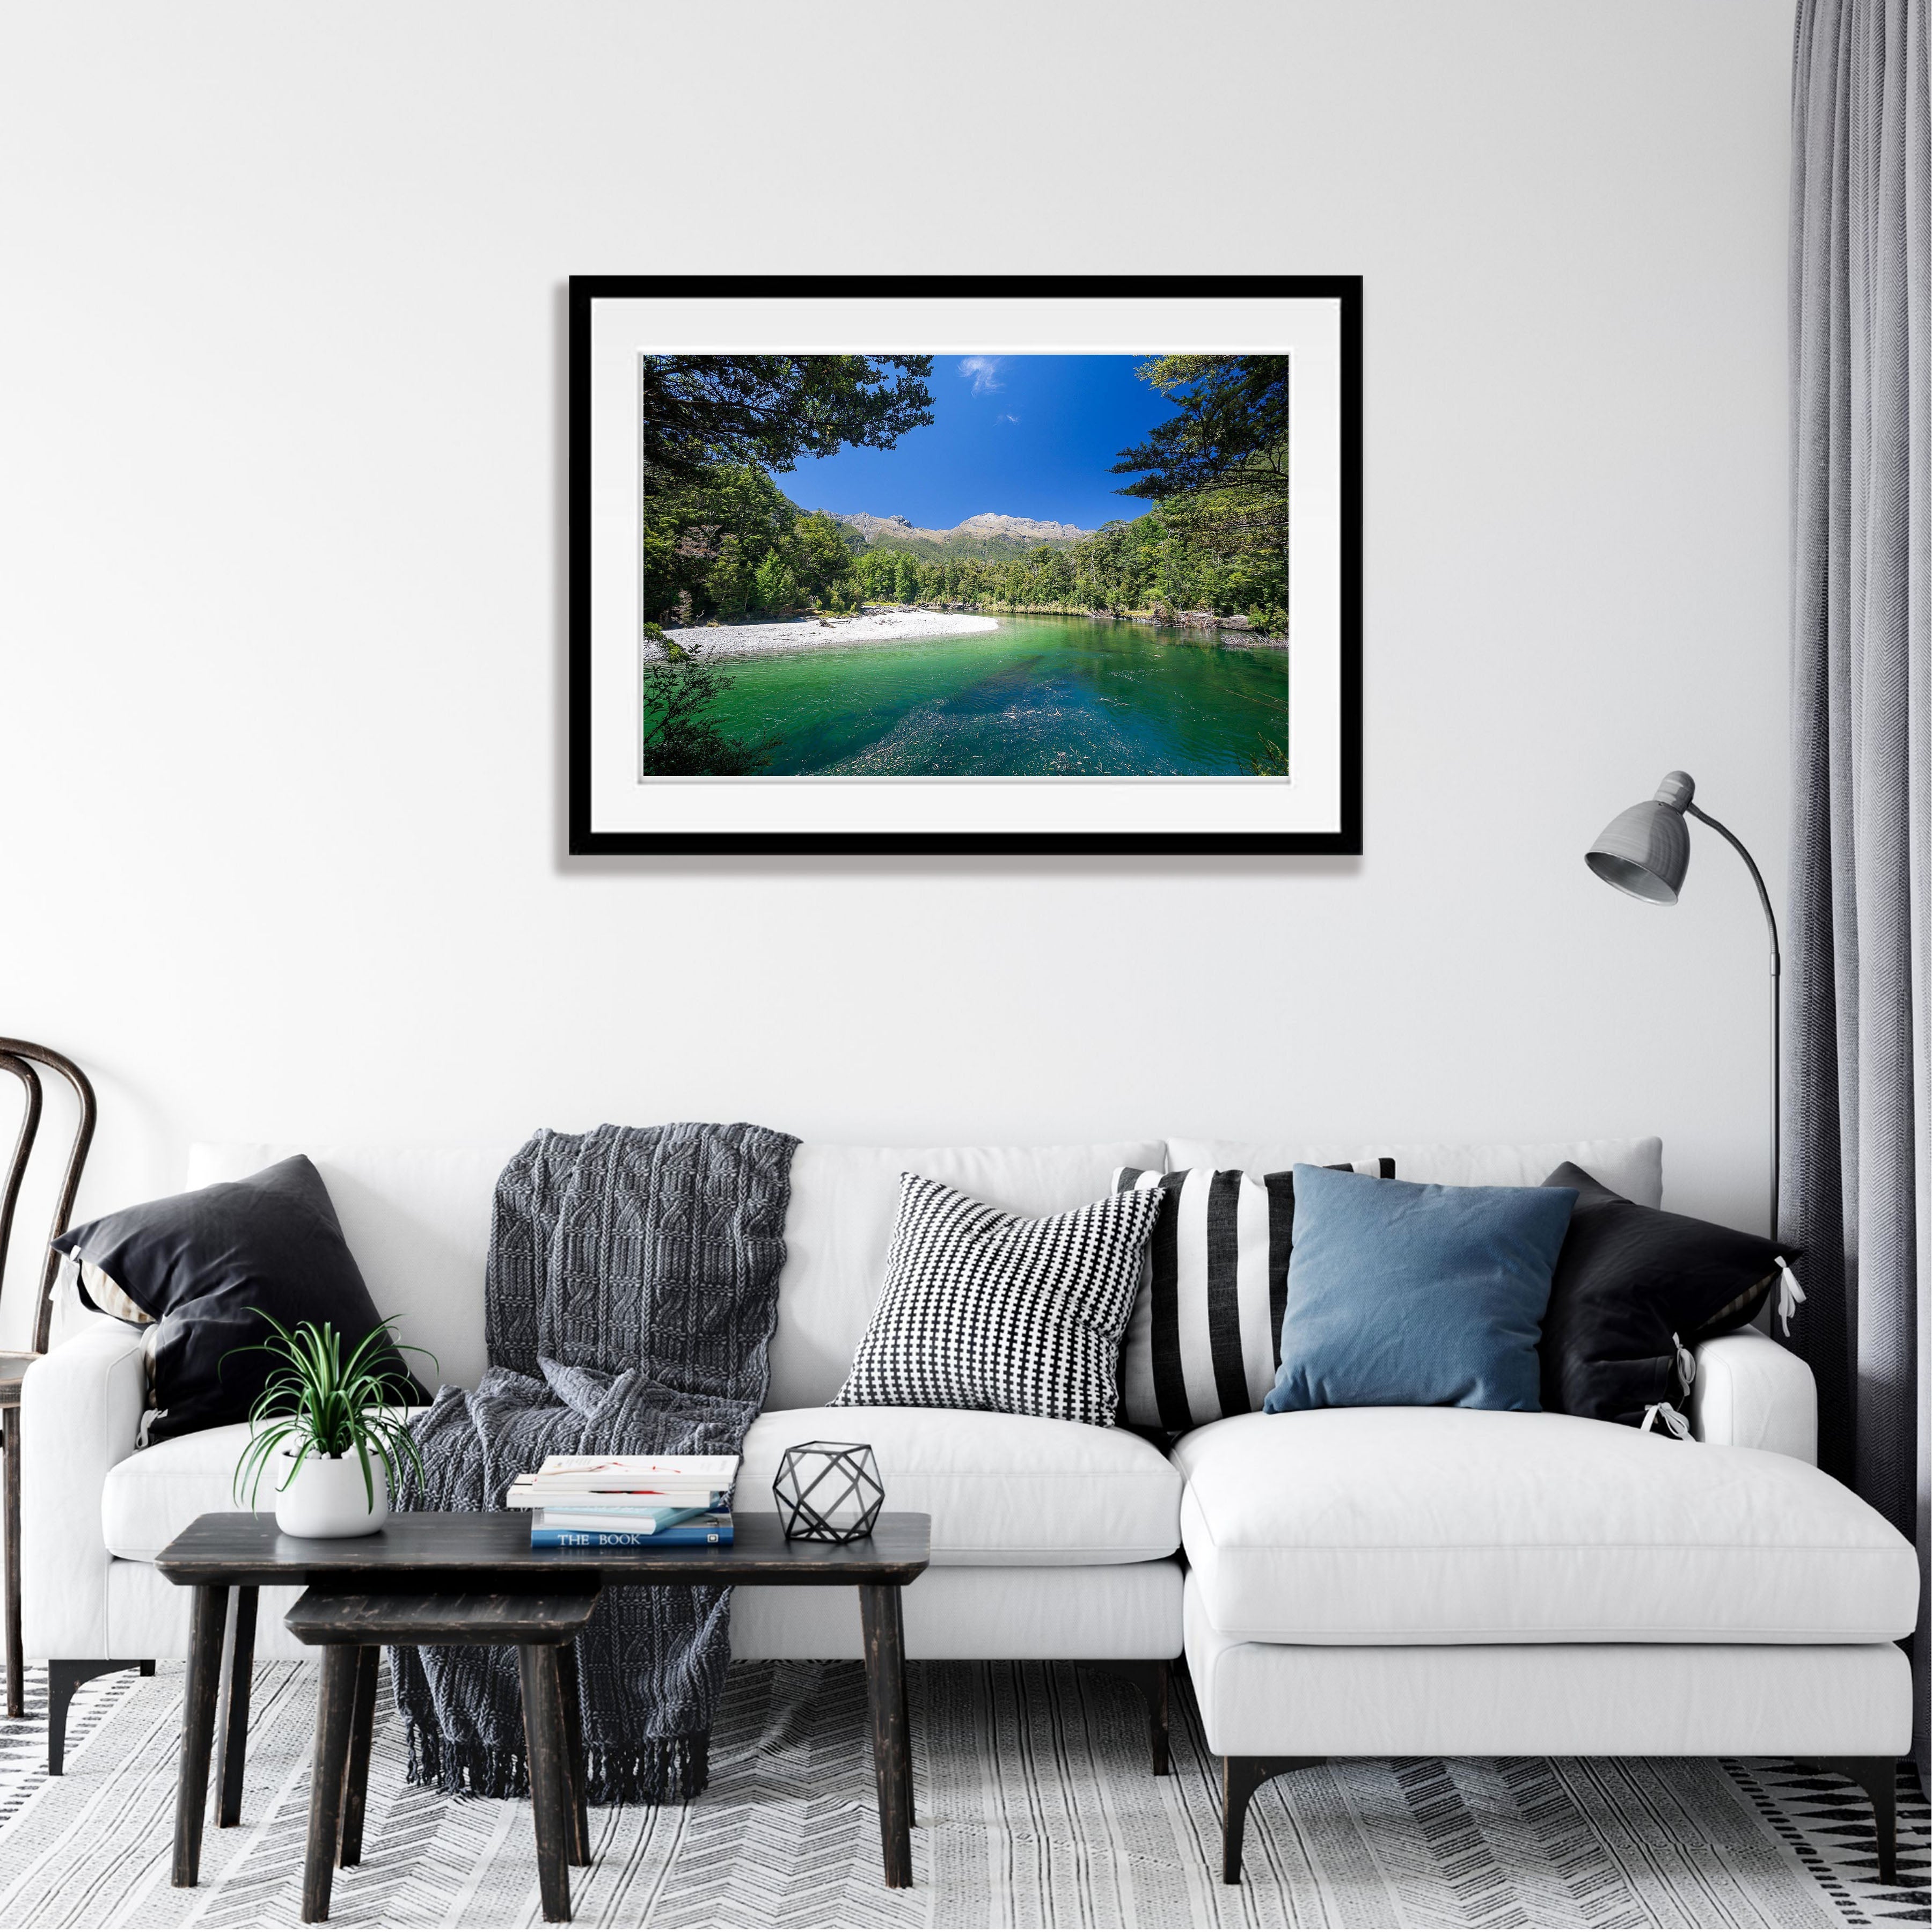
1035,1808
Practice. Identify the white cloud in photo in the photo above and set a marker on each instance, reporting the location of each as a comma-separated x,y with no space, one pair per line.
1006,419
982,370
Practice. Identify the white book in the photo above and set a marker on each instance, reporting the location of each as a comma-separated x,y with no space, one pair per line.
615,1502
578,1486
716,1473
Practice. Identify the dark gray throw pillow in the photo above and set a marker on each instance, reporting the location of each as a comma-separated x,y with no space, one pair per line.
1634,1286
206,1265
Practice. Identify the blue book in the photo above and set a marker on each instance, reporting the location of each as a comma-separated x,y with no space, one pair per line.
683,1533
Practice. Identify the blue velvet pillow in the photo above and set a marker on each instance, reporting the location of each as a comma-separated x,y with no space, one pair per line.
1403,1295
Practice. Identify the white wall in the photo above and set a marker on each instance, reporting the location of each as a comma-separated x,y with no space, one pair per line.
281,577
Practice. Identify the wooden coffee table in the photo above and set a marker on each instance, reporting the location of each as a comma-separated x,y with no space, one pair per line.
480,1550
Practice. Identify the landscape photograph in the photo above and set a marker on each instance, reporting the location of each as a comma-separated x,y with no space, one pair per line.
964,565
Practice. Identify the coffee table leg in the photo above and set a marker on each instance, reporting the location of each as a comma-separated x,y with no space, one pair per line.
355,1773
232,1731
550,1789
334,1717
16,1662
573,1753
885,1692
905,1711
204,1682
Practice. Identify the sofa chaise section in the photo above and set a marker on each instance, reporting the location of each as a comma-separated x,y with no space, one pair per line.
1446,1582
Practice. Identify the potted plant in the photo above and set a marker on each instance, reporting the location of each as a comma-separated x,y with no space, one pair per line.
327,1430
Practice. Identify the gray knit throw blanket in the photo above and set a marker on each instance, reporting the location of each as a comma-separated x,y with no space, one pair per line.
632,1288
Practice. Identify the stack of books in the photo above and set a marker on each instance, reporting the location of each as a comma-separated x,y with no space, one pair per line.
627,1502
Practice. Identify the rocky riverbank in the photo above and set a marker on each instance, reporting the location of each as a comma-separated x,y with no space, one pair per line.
806,634
1230,630
1236,630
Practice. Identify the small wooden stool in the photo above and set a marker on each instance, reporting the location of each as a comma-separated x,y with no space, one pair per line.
350,1626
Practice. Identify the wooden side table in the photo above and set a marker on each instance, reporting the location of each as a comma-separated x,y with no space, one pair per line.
441,1552
350,1625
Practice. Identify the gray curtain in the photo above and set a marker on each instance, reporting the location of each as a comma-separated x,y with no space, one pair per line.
1857,1139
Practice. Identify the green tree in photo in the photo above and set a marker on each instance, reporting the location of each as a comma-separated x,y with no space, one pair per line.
822,559
774,586
1219,467
767,411
689,530
878,574
732,578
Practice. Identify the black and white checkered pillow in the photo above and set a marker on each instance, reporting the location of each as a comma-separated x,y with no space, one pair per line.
1204,1339
984,1309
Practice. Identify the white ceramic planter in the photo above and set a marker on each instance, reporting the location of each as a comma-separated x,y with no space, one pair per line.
326,1496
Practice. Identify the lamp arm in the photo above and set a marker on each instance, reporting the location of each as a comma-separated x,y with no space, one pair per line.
1757,877
1770,926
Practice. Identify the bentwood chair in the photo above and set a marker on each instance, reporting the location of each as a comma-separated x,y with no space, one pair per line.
21,1058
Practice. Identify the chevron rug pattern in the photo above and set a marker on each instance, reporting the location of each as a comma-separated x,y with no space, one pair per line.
1035,1808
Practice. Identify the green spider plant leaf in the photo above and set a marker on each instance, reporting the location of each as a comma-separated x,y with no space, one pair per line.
315,1403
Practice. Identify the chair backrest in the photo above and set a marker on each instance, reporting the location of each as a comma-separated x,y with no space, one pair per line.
20,1057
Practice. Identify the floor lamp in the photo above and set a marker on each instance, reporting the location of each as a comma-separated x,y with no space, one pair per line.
1646,851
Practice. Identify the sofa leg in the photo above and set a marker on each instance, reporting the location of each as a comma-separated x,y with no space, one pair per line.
1878,1778
1241,1778
65,1675
1153,1681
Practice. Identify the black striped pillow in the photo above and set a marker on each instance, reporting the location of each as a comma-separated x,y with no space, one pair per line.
1204,1339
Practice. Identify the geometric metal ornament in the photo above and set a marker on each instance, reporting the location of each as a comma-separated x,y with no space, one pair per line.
829,1491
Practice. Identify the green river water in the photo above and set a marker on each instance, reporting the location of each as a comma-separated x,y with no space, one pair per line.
1040,697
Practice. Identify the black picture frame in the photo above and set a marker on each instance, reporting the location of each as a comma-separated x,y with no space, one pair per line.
586,840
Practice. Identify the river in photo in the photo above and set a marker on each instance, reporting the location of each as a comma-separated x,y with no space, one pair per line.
1037,697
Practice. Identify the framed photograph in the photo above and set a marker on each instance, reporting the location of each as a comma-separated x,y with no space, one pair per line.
983,565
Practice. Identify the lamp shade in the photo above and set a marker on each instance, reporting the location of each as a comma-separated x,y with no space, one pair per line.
1646,850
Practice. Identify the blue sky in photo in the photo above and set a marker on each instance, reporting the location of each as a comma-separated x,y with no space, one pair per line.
1024,436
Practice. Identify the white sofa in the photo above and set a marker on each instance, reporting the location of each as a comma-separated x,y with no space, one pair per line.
1365,1582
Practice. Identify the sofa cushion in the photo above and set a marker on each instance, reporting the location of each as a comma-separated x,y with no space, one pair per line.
152,1495
417,1219
1635,1291
1454,1525
1403,1291
1203,1336
1000,1489
221,1270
